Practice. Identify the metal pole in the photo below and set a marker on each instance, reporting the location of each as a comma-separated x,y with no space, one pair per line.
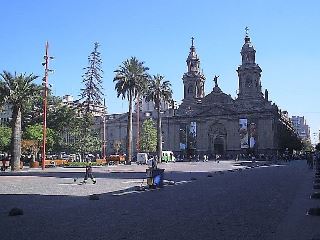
45,107
138,123
104,130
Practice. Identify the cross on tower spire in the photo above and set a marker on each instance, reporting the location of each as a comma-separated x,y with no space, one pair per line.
192,39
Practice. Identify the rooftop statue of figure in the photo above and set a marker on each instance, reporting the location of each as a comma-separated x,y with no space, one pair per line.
215,79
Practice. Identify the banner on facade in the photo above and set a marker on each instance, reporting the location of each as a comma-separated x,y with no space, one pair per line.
183,136
192,140
253,135
193,129
243,132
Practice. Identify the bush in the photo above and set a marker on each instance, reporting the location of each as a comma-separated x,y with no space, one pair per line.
79,164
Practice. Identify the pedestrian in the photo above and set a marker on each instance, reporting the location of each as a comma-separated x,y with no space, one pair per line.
3,168
154,163
5,159
89,174
217,158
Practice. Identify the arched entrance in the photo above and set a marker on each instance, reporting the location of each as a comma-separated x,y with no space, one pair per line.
217,139
218,146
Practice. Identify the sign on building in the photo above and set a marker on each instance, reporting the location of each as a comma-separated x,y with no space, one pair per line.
243,132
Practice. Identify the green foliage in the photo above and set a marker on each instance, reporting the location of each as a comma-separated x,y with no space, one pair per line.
148,139
5,137
88,142
17,91
288,139
32,113
92,94
307,146
35,132
159,91
131,80
80,164
64,120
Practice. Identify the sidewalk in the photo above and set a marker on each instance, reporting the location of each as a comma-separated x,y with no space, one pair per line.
297,225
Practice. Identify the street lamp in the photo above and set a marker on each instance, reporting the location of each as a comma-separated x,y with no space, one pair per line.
104,131
45,95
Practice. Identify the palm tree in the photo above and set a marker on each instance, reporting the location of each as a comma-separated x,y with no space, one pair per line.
16,91
159,92
130,80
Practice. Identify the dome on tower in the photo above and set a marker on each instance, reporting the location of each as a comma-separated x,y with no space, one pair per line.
247,51
247,46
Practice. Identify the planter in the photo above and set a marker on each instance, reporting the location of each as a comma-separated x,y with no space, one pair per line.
34,164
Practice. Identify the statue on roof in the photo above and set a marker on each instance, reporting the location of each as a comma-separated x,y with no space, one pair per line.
215,79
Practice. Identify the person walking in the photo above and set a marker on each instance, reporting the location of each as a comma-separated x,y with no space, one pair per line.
89,174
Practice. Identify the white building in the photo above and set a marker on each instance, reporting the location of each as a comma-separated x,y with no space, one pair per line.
5,114
301,127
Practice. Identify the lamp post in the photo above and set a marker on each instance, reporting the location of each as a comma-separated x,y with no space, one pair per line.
138,124
45,95
104,131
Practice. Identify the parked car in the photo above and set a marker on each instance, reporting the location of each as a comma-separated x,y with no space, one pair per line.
142,158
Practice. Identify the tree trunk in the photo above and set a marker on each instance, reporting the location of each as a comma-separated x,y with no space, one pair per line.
159,134
129,132
16,139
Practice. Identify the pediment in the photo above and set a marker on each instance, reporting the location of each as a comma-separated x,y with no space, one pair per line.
215,110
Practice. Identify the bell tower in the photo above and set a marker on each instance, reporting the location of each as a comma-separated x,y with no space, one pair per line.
249,72
193,79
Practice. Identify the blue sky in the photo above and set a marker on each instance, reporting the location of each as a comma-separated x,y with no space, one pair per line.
285,34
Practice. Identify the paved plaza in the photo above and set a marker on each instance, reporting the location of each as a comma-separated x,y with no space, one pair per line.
209,200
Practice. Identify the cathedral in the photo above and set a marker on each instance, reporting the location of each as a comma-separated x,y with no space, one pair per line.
216,123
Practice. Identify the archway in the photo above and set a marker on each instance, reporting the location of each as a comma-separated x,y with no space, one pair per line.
218,145
217,139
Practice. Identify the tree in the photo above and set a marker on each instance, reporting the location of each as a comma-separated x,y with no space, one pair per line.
307,146
17,90
318,147
117,146
90,143
5,136
30,147
92,93
148,141
130,79
35,134
159,92
32,113
65,122
88,140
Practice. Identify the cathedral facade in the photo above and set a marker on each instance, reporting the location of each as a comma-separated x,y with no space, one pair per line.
216,123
